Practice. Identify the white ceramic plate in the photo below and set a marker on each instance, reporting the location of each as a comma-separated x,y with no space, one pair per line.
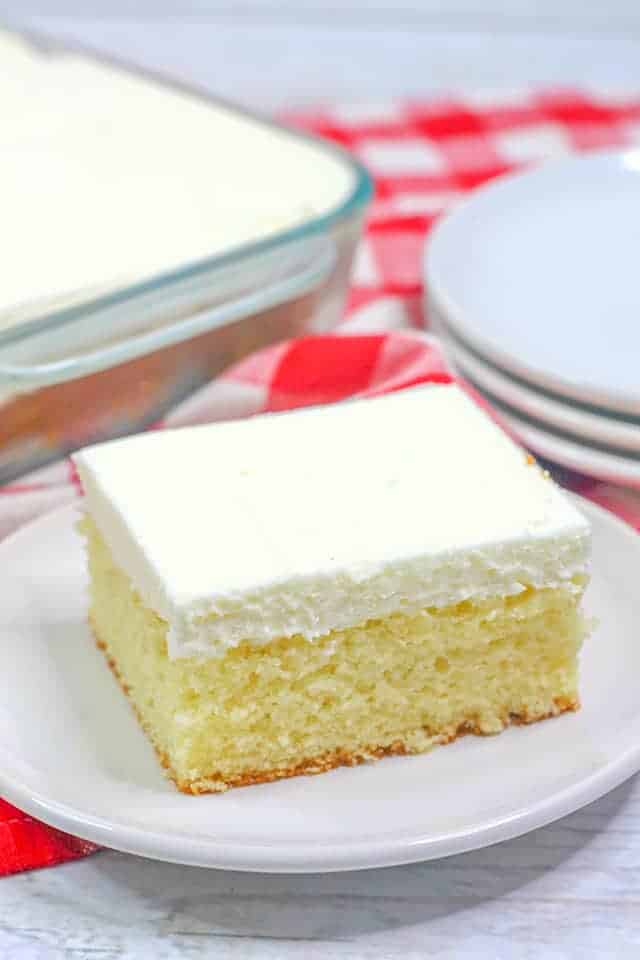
538,271
72,754
576,456
562,415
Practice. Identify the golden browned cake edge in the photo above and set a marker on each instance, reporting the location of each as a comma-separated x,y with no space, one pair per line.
217,783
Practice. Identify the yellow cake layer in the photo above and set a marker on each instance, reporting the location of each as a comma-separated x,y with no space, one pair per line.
398,685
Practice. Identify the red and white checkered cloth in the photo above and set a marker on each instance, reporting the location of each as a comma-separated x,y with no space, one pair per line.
424,156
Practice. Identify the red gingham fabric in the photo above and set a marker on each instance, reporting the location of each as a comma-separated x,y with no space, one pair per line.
25,843
427,155
424,156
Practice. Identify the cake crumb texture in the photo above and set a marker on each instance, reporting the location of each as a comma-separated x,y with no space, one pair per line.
394,686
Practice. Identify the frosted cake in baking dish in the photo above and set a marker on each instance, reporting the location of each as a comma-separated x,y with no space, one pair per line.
293,592
110,178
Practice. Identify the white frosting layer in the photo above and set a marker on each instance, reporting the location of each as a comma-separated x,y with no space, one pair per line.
305,522
108,178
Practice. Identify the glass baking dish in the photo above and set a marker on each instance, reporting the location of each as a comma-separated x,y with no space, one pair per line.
91,366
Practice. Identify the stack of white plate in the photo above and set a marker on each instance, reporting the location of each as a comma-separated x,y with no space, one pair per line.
533,284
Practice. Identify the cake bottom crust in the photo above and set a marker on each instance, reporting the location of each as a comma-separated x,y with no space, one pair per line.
217,783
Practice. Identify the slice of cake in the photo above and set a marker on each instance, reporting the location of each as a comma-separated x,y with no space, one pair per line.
296,591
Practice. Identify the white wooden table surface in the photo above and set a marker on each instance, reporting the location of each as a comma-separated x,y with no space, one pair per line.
571,890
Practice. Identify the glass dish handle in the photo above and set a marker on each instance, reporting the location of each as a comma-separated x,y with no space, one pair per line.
93,336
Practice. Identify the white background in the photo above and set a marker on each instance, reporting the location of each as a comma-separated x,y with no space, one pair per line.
271,53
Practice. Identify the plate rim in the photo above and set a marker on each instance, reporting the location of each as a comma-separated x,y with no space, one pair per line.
573,455
307,857
438,299
547,411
